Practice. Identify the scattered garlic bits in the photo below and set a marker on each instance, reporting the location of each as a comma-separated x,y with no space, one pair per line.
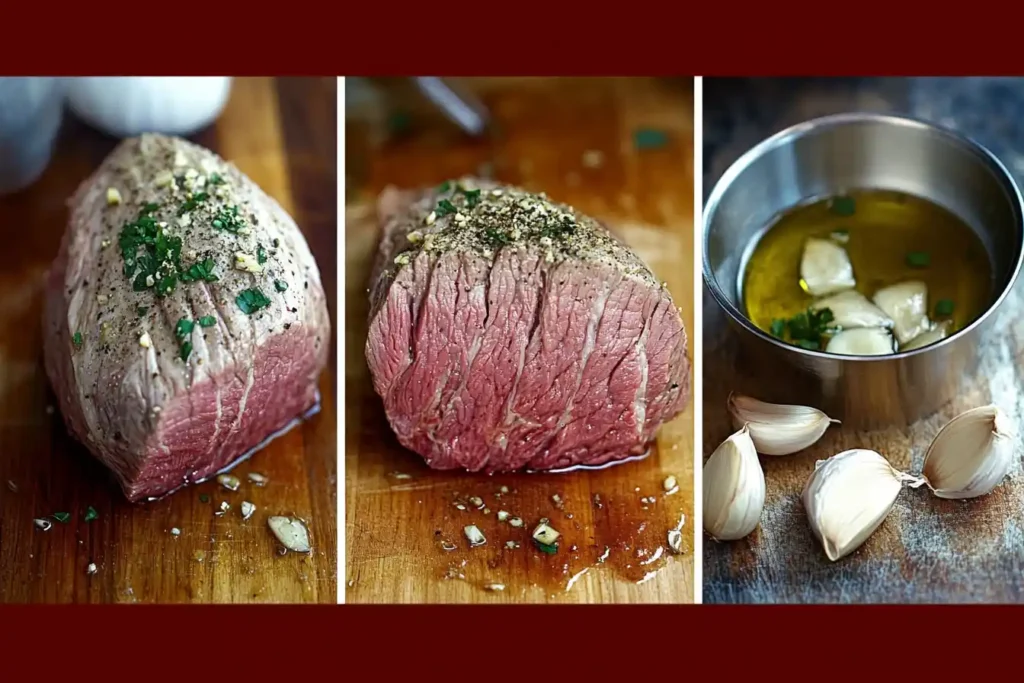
228,481
778,429
734,488
247,509
113,196
848,496
483,218
972,454
291,532
474,536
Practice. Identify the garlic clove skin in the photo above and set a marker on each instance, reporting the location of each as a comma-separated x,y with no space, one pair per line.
848,496
972,454
734,489
907,304
932,336
778,429
863,341
825,268
851,309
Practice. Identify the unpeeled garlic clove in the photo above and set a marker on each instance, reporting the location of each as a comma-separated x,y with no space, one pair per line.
932,336
972,454
907,304
851,309
778,429
848,496
863,341
825,268
733,488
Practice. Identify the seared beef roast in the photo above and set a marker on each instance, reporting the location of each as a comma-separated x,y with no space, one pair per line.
185,320
511,332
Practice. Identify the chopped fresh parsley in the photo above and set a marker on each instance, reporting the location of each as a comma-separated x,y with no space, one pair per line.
496,238
76,339
149,208
472,197
261,256
805,329
943,308
778,328
918,259
545,548
228,219
200,270
186,350
843,206
445,207
190,204
280,285
251,300
183,328
207,321
142,310
215,179
91,514
157,264
62,517
444,187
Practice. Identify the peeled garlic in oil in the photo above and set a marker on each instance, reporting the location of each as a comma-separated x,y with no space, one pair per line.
907,304
825,268
972,454
848,496
733,488
778,429
936,334
852,309
862,341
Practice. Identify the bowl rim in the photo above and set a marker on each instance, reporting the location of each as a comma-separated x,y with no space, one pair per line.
796,131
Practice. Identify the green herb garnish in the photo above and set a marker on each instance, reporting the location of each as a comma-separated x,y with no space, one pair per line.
843,206
261,256
215,179
545,548
201,270
62,517
444,187
805,329
809,345
183,328
142,310
186,351
918,259
203,498
649,138
472,197
76,339
207,321
778,328
228,219
251,300
943,308
280,285
91,514
445,207
190,204
157,265
496,238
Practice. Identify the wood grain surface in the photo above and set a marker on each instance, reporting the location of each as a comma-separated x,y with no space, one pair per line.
928,550
282,134
400,515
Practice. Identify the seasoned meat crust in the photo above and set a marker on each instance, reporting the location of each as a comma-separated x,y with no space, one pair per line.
510,332
185,320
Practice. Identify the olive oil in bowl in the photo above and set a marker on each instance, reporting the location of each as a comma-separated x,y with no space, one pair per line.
889,238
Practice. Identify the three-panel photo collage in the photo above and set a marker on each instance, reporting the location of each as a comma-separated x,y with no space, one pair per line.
511,340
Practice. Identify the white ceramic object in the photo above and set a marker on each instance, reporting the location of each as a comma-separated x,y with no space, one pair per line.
30,114
125,106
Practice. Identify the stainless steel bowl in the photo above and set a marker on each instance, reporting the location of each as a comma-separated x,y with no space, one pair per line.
831,155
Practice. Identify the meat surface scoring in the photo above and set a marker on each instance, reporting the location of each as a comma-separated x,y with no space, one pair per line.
185,320
511,332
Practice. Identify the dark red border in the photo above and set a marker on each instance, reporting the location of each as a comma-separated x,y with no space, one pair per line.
526,37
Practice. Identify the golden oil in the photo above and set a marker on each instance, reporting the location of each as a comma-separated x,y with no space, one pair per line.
884,233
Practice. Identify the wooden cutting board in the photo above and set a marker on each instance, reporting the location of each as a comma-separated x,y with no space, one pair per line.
927,550
582,142
282,133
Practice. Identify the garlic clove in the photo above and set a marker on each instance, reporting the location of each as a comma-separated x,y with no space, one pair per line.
825,268
733,488
862,341
907,304
848,496
972,454
932,336
778,429
851,309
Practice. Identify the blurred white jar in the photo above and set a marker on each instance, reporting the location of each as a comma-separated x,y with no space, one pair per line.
31,109
124,106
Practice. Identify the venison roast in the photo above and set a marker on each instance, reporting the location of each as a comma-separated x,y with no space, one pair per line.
185,321
511,332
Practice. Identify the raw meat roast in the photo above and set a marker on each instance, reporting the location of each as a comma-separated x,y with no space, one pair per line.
510,332
185,321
